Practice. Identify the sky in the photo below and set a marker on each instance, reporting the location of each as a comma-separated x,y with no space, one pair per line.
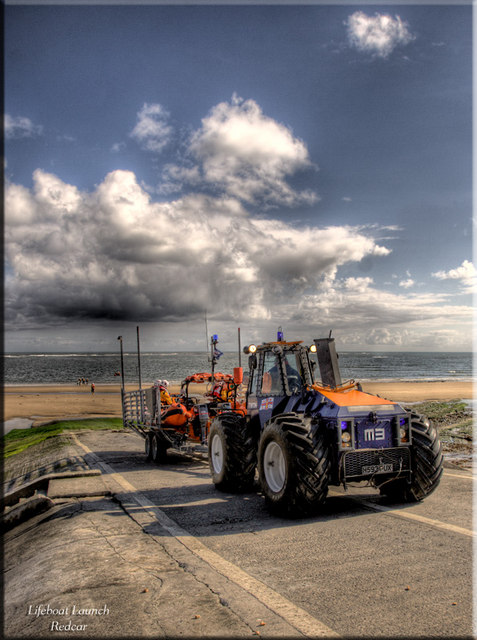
302,166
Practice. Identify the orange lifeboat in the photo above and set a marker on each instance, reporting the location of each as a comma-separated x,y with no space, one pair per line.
175,416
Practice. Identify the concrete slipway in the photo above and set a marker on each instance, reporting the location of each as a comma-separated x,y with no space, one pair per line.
94,563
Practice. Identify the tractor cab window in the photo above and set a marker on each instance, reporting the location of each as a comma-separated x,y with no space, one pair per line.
271,379
294,373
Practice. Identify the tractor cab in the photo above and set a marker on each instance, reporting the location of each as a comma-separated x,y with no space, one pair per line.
280,376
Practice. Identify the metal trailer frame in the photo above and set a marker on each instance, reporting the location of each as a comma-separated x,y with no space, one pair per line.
134,406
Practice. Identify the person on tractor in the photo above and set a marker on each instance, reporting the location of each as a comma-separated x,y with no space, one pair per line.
272,378
165,397
219,392
294,377
223,391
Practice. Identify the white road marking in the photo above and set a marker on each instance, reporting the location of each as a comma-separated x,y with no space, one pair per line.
414,516
456,475
393,511
293,615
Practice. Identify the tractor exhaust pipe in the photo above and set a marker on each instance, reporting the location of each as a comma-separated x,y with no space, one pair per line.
328,362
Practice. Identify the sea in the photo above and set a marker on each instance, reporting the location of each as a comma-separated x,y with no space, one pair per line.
67,368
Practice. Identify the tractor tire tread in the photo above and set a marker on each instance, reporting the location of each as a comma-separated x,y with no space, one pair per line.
308,464
426,462
240,455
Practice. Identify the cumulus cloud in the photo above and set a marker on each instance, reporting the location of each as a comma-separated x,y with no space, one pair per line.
115,254
362,313
466,275
152,130
407,284
21,127
379,34
240,150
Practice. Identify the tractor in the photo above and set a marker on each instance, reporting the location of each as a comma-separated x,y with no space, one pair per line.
303,435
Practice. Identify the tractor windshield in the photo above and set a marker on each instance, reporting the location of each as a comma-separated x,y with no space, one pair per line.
272,379
283,372
293,372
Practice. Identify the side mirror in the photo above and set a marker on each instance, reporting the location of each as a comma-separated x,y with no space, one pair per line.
238,375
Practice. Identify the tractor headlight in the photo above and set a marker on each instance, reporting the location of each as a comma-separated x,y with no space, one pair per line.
313,348
250,349
346,438
404,430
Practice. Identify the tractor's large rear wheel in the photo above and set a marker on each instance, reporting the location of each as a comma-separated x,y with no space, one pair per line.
232,453
426,464
294,465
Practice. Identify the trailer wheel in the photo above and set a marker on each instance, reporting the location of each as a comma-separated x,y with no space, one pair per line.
232,453
158,450
426,464
148,446
294,461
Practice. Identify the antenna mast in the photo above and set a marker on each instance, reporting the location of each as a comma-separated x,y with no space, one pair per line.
206,337
139,358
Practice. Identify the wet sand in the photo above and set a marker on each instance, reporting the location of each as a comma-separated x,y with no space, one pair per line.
43,403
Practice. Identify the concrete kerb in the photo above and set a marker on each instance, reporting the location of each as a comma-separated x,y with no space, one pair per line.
25,510
41,484
32,499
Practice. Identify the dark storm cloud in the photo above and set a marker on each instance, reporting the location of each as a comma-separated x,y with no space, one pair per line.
114,254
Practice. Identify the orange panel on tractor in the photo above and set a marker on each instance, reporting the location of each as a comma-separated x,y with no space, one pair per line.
352,398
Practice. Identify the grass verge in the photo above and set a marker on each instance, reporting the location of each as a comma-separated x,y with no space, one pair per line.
18,440
453,419
449,412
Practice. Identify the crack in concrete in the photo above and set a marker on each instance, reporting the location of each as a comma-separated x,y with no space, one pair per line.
115,550
188,569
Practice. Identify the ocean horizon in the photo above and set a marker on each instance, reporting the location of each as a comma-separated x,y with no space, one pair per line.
100,367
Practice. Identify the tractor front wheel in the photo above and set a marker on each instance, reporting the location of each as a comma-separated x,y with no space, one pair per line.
232,453
426,464
294,465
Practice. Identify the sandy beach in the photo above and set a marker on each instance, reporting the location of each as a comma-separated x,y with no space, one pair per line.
43,403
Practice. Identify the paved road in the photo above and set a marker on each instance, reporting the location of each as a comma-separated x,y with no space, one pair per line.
362,568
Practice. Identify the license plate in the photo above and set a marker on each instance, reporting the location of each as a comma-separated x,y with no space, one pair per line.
376,468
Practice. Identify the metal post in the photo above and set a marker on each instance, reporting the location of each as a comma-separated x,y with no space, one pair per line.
120,338
239,349
141,396
206,336
139,358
